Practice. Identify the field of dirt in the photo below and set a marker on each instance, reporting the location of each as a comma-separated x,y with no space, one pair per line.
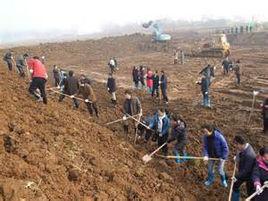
56,153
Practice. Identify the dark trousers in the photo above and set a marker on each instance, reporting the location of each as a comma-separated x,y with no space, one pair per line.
161,140
21,71
225,70
180,148
238,78
57,81
9,65
164,94
91,107
155,90
136,83
249,186
39,83
142,82
75,101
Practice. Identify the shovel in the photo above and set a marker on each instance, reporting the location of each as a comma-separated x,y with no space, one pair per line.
146,158
265,185
232,184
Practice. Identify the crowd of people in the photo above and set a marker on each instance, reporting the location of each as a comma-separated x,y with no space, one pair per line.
153,82
162,126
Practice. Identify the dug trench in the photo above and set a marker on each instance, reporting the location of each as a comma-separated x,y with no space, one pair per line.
56,153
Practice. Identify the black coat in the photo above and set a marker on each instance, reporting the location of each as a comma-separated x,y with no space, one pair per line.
133,108
259,176
56,73
246,161
135,75
156,81
71,85
204,85
179,133
111,84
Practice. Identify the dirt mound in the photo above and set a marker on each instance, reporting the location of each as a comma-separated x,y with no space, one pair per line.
77,158
67,156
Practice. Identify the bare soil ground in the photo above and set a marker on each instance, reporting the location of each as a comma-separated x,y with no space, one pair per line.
56,153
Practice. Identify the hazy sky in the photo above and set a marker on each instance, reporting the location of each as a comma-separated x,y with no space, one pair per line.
87,16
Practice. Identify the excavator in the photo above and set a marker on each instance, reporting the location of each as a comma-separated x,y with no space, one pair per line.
218,48
158,35
160,41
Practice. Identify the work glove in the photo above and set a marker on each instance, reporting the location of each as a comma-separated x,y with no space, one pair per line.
206,92
234,179
72,96
160,134
108,89
124,117
255,93
86,100
259,190
205,158
234,158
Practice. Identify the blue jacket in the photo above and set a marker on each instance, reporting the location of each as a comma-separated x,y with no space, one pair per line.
220,145
166,123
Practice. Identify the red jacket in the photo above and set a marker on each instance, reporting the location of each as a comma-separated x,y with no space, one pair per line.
149,79
37,68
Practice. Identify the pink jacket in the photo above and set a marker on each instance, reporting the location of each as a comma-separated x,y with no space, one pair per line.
149,79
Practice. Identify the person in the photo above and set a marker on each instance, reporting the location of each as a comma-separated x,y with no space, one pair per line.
90,99
39,78
205,91
112,64
160,124
135,76
245,159
237,71
215,146
264,107
260,174
142,76
208,72
56,75
176,56
182,57
111,87
163,86
9,59
22,64
63,77
179,134
142,130
71,86
149,80
131,107
155,89
225,66
83,78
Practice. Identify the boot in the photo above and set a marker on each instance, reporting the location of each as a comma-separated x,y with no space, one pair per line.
177,160
235,196
185,155
209,180
223,181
